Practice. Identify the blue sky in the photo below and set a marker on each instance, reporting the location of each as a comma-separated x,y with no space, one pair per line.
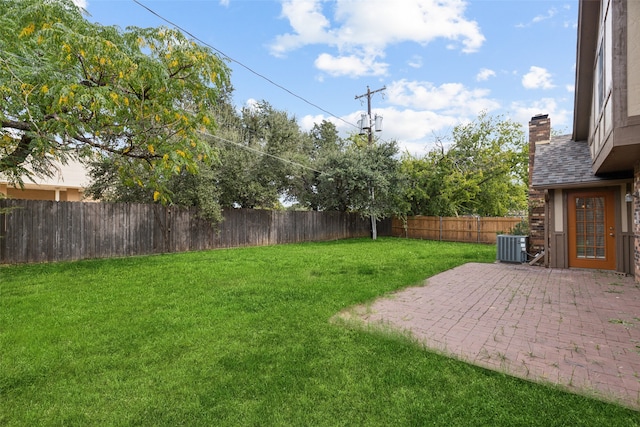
442,62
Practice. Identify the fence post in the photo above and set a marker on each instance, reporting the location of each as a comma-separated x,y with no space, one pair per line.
3,208
440,237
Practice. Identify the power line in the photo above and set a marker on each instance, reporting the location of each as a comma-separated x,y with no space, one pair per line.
246,67
257,74
255,150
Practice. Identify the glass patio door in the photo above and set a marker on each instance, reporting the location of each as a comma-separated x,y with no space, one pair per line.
592,230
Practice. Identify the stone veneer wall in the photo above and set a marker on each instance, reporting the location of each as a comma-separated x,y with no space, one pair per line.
539,132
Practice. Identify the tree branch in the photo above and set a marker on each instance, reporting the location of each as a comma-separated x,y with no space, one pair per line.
121,152
14,124
18,156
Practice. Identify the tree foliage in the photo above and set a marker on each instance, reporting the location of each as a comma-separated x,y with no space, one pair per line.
252,167
320,147
364,179
187,189
247,177
484,171
352,175
69,87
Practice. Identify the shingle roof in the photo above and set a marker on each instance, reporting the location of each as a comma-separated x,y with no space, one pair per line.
563,162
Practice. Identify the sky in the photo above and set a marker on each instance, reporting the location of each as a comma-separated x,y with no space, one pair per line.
440,62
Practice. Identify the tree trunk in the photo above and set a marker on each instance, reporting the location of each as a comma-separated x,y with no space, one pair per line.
374,225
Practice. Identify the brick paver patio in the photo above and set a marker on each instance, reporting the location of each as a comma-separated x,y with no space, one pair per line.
579,329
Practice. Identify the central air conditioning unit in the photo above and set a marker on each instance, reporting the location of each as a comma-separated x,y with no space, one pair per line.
512,248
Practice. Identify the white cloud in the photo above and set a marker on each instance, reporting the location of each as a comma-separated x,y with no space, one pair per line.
82,4
537,78
550,14
418,112
413,126
367,29
251,104
523,111
417,128
414,130
484,74
306,123
352,66
450,98
224,2
539,18
415,61
570,88
309,26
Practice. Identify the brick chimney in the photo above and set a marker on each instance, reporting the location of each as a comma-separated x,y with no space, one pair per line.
539,133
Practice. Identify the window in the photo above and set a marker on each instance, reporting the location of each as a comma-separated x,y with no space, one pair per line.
600,79
590,227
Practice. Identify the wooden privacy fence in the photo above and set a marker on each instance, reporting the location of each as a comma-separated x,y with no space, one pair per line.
45,231
453,229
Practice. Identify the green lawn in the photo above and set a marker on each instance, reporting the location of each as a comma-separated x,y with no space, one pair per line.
243,337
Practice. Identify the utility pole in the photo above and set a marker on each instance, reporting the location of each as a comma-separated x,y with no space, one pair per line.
365,123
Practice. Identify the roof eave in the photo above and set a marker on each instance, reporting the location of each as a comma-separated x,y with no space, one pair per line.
580,185
588,18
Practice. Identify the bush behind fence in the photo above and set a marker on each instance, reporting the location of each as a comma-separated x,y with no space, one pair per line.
46,231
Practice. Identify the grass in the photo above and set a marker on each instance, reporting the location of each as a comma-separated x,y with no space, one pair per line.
243,337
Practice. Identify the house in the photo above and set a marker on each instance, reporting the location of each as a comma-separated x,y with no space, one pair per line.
67,183
585,187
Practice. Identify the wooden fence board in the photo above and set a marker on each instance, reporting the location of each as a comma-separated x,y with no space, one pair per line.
46,231
455,229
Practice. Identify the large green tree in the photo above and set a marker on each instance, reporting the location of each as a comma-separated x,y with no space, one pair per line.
364,178
350,175
258,158
483,171
319,147
257,161
201,189
69,87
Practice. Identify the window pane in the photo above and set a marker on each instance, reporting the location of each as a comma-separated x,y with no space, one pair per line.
590,227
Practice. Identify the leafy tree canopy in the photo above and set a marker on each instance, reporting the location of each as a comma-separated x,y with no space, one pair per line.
257,164
483,172
69,87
